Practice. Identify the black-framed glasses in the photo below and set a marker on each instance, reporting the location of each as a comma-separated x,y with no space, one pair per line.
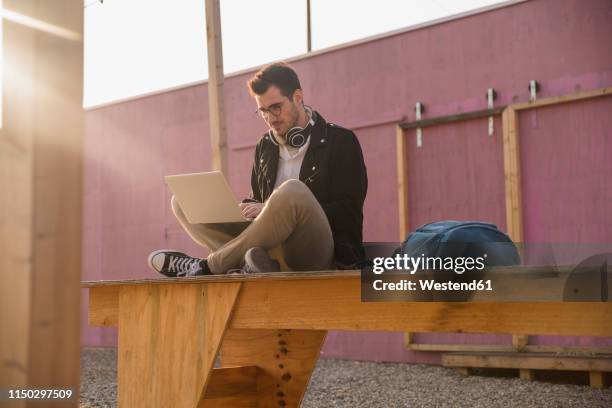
275,109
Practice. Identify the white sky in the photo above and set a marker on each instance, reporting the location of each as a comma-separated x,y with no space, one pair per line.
133,47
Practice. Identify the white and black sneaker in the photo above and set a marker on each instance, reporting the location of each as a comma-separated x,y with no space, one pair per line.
177,264
257,260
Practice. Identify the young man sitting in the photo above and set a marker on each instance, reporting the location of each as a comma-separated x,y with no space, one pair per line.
308,186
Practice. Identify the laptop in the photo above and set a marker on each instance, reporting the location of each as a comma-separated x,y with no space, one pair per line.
205,197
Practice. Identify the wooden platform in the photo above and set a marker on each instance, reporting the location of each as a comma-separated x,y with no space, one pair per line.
268,330
596,366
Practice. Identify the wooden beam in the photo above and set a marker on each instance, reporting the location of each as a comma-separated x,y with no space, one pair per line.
458,347
402,183
332,300
232,387
526,361
324,305
587,350
169,336
512,175
216,108
555,100
41,140
286,359
308,28
457,117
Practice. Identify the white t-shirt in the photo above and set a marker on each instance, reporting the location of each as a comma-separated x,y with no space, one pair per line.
289,162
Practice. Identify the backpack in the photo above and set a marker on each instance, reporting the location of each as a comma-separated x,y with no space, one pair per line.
461,239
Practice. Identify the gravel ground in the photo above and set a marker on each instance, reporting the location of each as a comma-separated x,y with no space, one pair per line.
337,383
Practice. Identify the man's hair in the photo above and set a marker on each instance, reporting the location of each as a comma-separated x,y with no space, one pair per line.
278,74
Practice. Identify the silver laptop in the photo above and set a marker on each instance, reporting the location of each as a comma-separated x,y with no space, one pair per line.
205,197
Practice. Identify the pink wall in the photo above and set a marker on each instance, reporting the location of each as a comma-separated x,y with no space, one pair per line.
458,173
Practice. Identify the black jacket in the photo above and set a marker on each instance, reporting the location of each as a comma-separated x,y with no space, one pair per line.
334,170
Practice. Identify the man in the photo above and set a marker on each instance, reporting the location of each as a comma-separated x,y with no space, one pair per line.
308,185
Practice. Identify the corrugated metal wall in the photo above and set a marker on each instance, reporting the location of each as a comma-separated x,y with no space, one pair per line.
457,173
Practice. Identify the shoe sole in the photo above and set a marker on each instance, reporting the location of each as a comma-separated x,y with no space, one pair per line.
152,255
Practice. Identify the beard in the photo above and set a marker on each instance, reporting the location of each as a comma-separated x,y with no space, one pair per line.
281,137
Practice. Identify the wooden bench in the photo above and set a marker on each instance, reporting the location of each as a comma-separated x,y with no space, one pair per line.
526,362
268,329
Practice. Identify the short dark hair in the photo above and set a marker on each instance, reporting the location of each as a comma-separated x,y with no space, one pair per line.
278,74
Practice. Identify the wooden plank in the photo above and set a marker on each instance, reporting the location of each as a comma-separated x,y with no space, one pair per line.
512,175
518,271
40,204
216,109
286,359
321,305
169,336
231,387
458,347
458,117
597,380
555,100
508,348
103,307
526,361
402,183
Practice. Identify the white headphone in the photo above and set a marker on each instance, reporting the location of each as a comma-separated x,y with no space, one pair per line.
297,136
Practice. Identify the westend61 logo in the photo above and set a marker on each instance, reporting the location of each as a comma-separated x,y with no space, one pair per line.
459,265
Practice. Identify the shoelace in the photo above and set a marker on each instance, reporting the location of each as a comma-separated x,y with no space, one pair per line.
183,266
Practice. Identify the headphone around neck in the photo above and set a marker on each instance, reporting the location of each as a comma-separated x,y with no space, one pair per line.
297,136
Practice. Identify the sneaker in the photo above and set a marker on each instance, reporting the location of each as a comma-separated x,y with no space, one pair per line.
257,260
176,264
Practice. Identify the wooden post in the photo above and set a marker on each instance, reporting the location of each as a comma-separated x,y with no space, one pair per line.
512,173
308,28
40,203
402,183
216,110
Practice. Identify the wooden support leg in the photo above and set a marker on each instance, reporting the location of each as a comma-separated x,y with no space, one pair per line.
231,387
464,371
520,341
526,374
285,358
597,379
169,336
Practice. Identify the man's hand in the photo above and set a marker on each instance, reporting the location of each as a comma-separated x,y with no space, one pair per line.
251,210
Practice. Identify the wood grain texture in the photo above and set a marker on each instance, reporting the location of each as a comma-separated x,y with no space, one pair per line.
512,175
216,111
41,139
104,306
324,305
234,387
286,359
169,336
527,361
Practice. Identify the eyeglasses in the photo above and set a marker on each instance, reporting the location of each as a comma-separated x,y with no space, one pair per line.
275,109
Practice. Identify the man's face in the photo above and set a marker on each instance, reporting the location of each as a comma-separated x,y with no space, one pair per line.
279,112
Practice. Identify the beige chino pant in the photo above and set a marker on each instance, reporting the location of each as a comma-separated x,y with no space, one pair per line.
292,219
